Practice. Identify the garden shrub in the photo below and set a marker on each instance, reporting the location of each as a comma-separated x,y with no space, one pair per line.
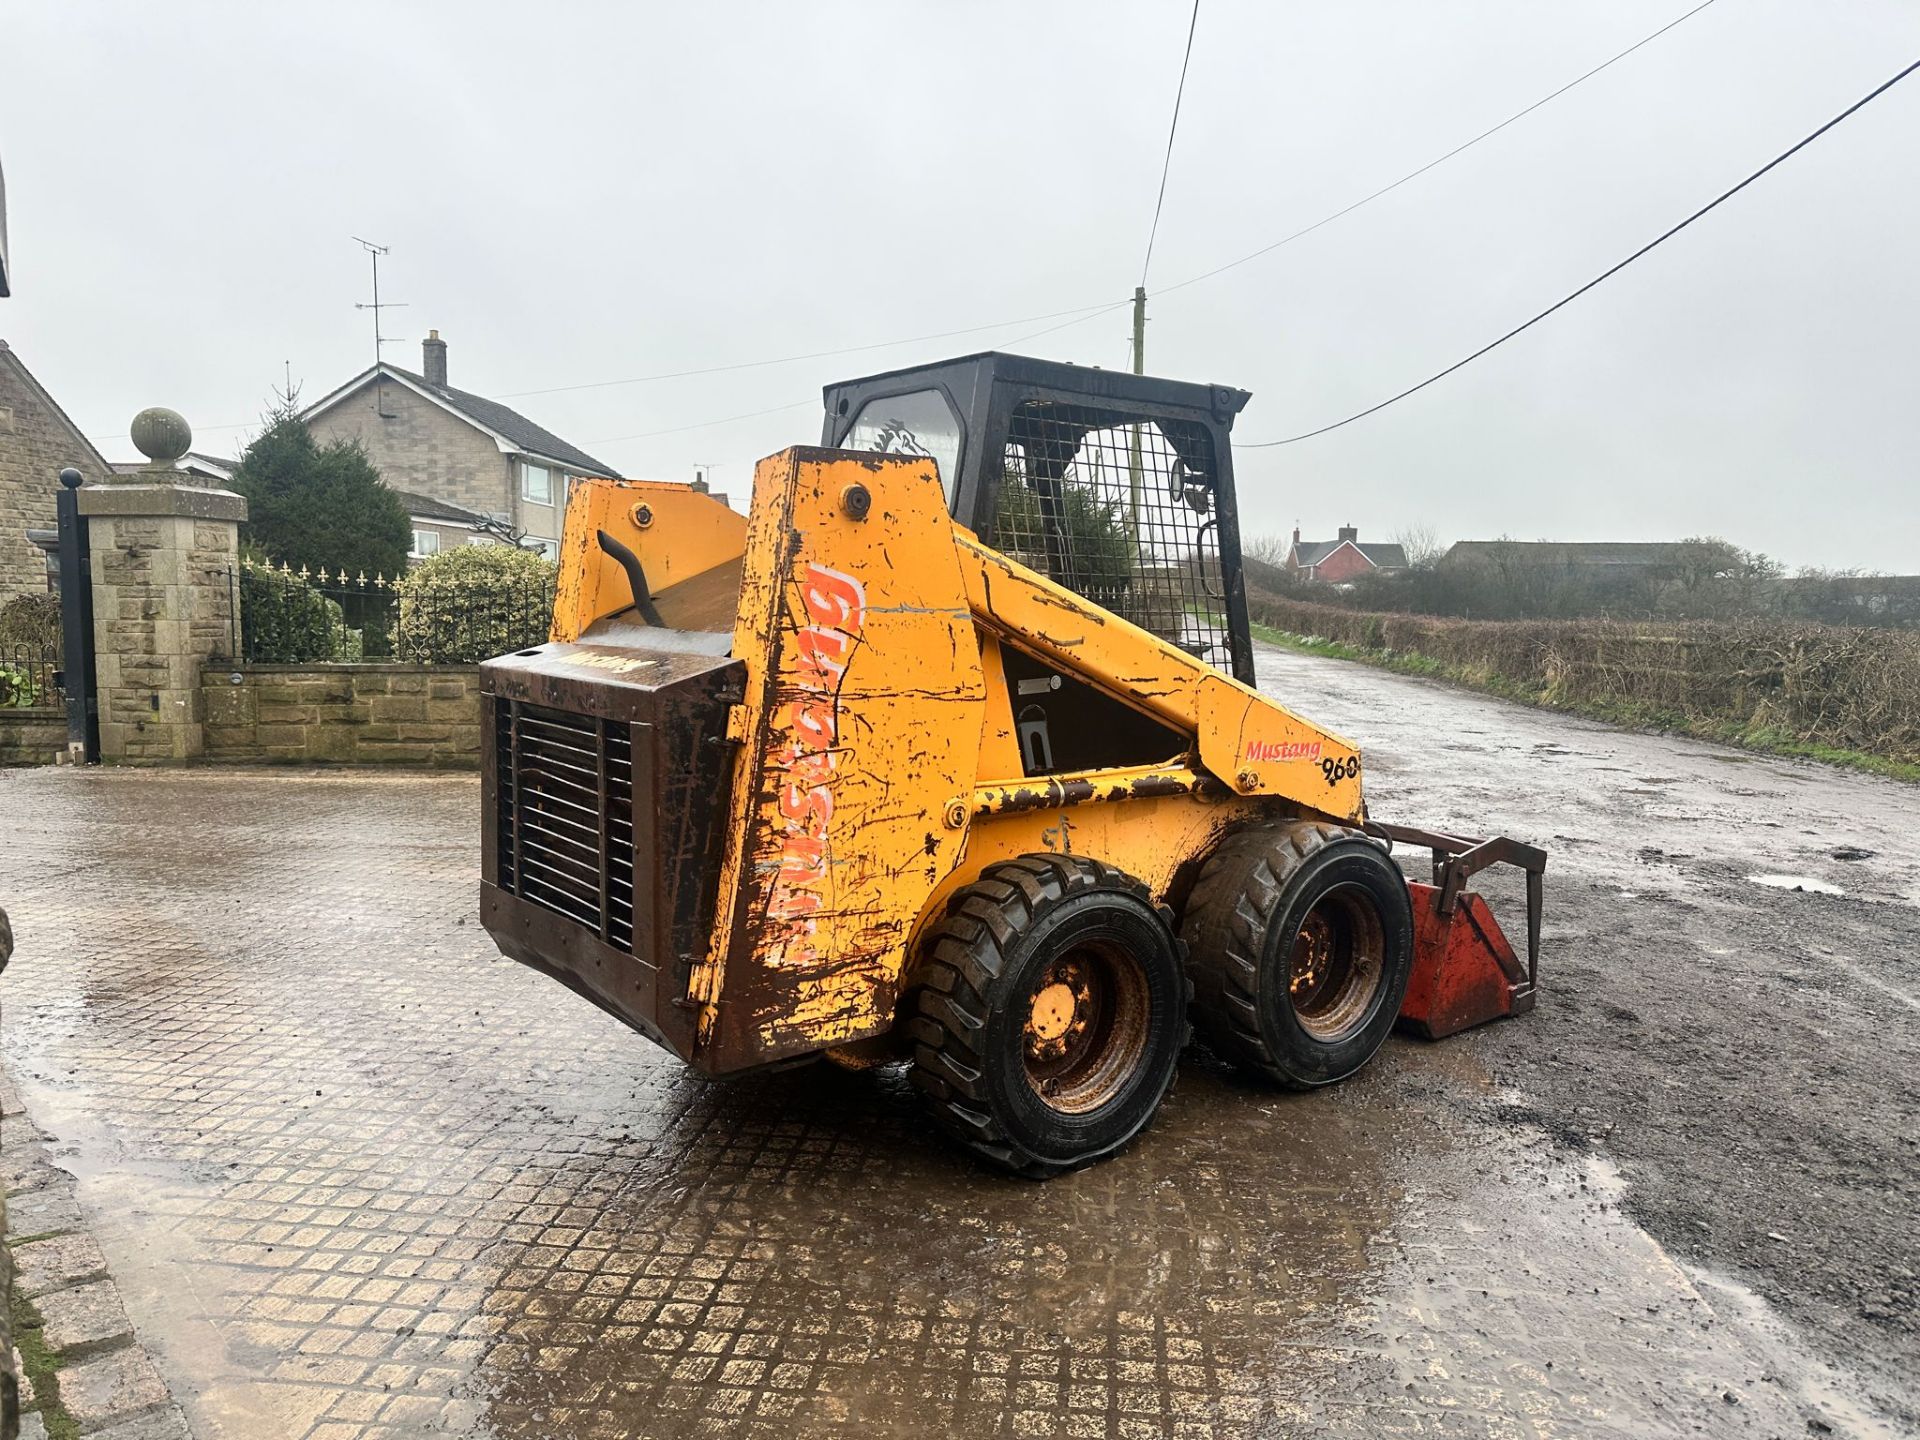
466,605
286,620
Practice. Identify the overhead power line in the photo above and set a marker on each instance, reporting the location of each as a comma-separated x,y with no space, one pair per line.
1607,274
1082,314
1437,160
1085,314
1173,128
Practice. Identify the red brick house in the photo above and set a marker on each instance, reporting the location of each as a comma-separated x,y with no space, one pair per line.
1343,559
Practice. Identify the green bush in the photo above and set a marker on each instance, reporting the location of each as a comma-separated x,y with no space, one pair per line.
1092,532
319,506
21,689
287,621
467,605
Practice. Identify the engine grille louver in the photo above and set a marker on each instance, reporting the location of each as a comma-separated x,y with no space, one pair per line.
565,786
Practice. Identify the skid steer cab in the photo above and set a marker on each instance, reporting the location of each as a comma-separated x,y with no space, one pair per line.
949,751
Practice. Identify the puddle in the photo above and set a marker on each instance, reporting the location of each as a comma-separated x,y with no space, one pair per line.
1797,882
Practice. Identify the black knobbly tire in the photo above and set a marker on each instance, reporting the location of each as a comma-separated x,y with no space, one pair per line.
1300,941
1047,1014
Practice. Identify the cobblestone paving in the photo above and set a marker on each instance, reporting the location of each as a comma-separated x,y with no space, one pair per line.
358,1176
102,1381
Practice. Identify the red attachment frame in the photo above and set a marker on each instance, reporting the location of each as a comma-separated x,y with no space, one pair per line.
1464,971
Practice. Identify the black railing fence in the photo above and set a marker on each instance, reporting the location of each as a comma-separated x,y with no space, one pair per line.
283,616
30,677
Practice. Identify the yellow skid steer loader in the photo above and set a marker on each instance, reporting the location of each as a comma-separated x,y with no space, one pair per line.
949,751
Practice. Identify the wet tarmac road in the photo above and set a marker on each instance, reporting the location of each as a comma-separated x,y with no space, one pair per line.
358,1176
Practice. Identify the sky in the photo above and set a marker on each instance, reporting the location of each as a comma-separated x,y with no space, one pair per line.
575,193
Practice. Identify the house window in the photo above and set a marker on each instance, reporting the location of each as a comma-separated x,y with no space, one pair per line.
425,543
548,548
536,484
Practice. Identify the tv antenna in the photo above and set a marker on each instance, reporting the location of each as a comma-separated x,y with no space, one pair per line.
374,252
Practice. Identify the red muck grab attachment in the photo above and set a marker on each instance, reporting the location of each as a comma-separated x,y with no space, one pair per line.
1465,972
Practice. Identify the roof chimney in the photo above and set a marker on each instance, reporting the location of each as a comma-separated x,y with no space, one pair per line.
433,358
1347,532
1296,537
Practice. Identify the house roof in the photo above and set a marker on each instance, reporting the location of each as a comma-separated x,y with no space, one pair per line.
509,428
214,467
426,507
11,357
1637,553
1387,557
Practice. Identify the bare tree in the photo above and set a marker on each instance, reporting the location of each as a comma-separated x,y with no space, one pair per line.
1421,543
1268,549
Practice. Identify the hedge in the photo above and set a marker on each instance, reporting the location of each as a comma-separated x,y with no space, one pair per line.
1811,685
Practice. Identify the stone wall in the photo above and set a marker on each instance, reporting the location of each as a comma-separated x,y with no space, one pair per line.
37,440
419,446
344,714
32,737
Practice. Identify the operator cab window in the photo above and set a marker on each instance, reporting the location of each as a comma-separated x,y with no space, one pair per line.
919,423
1121,513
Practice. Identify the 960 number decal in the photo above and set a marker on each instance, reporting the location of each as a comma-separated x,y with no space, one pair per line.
1338,770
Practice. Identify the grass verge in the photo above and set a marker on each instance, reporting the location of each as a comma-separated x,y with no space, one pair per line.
42,1369
1630,716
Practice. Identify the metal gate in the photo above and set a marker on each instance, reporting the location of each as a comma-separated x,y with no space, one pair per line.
76,678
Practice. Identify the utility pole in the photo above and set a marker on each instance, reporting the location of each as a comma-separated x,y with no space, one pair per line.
1133,440
1139,329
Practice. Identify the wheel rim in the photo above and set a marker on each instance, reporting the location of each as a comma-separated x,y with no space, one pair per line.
1339,957
1085,1027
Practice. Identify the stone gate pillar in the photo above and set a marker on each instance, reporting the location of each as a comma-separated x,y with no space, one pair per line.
164,553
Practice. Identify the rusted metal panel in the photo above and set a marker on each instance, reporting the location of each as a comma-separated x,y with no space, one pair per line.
614,979
605,801
1464,971
1054,792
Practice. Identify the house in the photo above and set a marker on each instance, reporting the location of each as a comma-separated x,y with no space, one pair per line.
37,441
440,525
1342,559
1624,559
434,443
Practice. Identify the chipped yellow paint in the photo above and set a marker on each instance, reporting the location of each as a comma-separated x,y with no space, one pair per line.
999,746
688,533
877,770
1250,742
864,700
1159,841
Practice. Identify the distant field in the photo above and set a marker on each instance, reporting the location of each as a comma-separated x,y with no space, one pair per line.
1846,695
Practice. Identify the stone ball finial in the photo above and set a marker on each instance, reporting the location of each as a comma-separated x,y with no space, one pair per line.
160,434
